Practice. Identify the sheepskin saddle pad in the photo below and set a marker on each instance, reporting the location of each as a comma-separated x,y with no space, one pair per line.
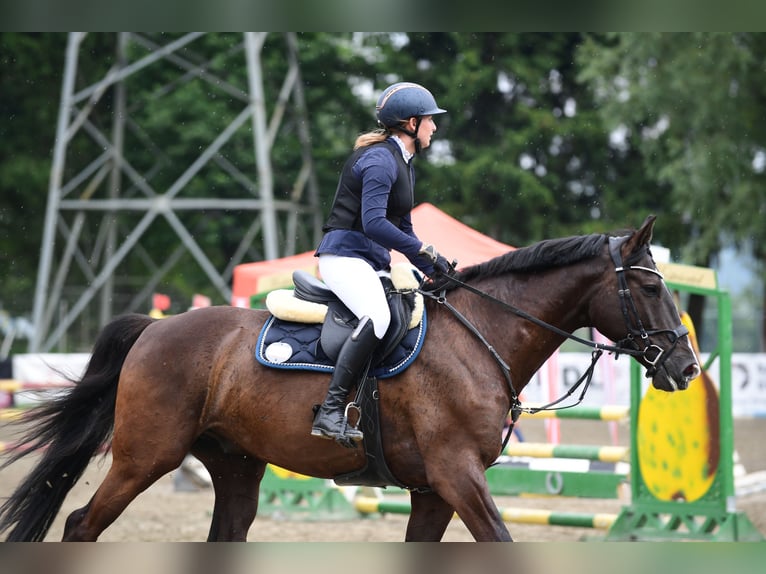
309,324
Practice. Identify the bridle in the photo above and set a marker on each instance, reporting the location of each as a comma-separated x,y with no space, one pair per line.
654,355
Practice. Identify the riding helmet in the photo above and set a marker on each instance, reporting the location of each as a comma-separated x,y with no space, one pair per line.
403,100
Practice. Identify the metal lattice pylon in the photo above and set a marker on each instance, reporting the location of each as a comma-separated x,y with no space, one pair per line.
111,182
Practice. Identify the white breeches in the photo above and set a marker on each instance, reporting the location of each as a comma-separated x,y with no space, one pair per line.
355,283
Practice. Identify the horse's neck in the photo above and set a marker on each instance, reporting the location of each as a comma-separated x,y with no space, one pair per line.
554,298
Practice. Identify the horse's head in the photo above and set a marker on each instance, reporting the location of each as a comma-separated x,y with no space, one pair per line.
642,316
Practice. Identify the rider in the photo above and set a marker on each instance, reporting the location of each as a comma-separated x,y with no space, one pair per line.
370,216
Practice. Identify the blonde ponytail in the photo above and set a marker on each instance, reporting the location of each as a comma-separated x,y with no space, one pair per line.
371,137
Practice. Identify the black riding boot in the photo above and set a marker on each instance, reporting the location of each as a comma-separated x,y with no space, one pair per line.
330,420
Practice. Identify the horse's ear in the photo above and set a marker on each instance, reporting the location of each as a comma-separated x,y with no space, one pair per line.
642,236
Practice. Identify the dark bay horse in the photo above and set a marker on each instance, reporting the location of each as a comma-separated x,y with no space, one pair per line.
190,383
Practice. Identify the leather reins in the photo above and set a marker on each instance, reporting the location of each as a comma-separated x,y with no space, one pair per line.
654,355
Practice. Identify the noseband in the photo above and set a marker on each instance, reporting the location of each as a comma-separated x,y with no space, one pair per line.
654,355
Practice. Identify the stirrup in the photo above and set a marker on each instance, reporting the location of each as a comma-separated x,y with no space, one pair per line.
341,435
357,408
358,434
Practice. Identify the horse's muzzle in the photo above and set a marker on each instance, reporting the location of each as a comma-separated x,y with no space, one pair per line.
666,382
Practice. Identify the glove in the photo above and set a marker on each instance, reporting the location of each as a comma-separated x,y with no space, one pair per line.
441,278
429,251
440,263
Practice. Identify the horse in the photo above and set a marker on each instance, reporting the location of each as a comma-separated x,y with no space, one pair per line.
160,389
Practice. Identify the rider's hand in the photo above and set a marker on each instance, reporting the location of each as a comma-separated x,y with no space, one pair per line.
440,263
429,251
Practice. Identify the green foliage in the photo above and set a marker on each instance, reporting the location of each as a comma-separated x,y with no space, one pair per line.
29,86
530,147
691,104
531,156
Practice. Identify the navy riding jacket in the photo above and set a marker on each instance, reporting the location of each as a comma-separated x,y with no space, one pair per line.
370,214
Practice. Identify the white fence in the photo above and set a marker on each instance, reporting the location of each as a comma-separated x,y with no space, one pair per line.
611,381
610,385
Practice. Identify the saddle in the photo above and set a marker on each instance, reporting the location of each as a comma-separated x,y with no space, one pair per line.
309,325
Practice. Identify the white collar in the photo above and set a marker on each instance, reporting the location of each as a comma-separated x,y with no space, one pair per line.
405,153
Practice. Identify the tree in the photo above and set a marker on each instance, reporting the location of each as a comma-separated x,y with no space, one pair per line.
527,155
30,83
692,106
538,142
170,122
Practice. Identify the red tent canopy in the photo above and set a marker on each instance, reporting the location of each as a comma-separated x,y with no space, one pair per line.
453,239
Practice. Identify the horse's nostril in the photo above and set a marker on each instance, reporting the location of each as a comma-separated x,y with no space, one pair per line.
692,371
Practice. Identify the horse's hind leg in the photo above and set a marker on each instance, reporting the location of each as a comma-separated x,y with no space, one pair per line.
236,481
126,479
429,517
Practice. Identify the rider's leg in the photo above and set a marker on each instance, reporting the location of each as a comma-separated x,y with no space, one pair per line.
330,420
356,284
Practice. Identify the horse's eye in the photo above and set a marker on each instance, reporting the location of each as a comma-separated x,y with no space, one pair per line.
650,290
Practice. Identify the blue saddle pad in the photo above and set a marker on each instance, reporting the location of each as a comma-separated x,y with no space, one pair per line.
289,345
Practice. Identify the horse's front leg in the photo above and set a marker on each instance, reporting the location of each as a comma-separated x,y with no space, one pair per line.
466,490
429,517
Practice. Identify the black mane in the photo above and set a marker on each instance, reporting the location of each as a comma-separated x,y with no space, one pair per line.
539,256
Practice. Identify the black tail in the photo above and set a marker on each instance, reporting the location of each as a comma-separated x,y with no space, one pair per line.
71,428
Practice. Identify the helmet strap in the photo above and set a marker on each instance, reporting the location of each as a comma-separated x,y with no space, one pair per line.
414,134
